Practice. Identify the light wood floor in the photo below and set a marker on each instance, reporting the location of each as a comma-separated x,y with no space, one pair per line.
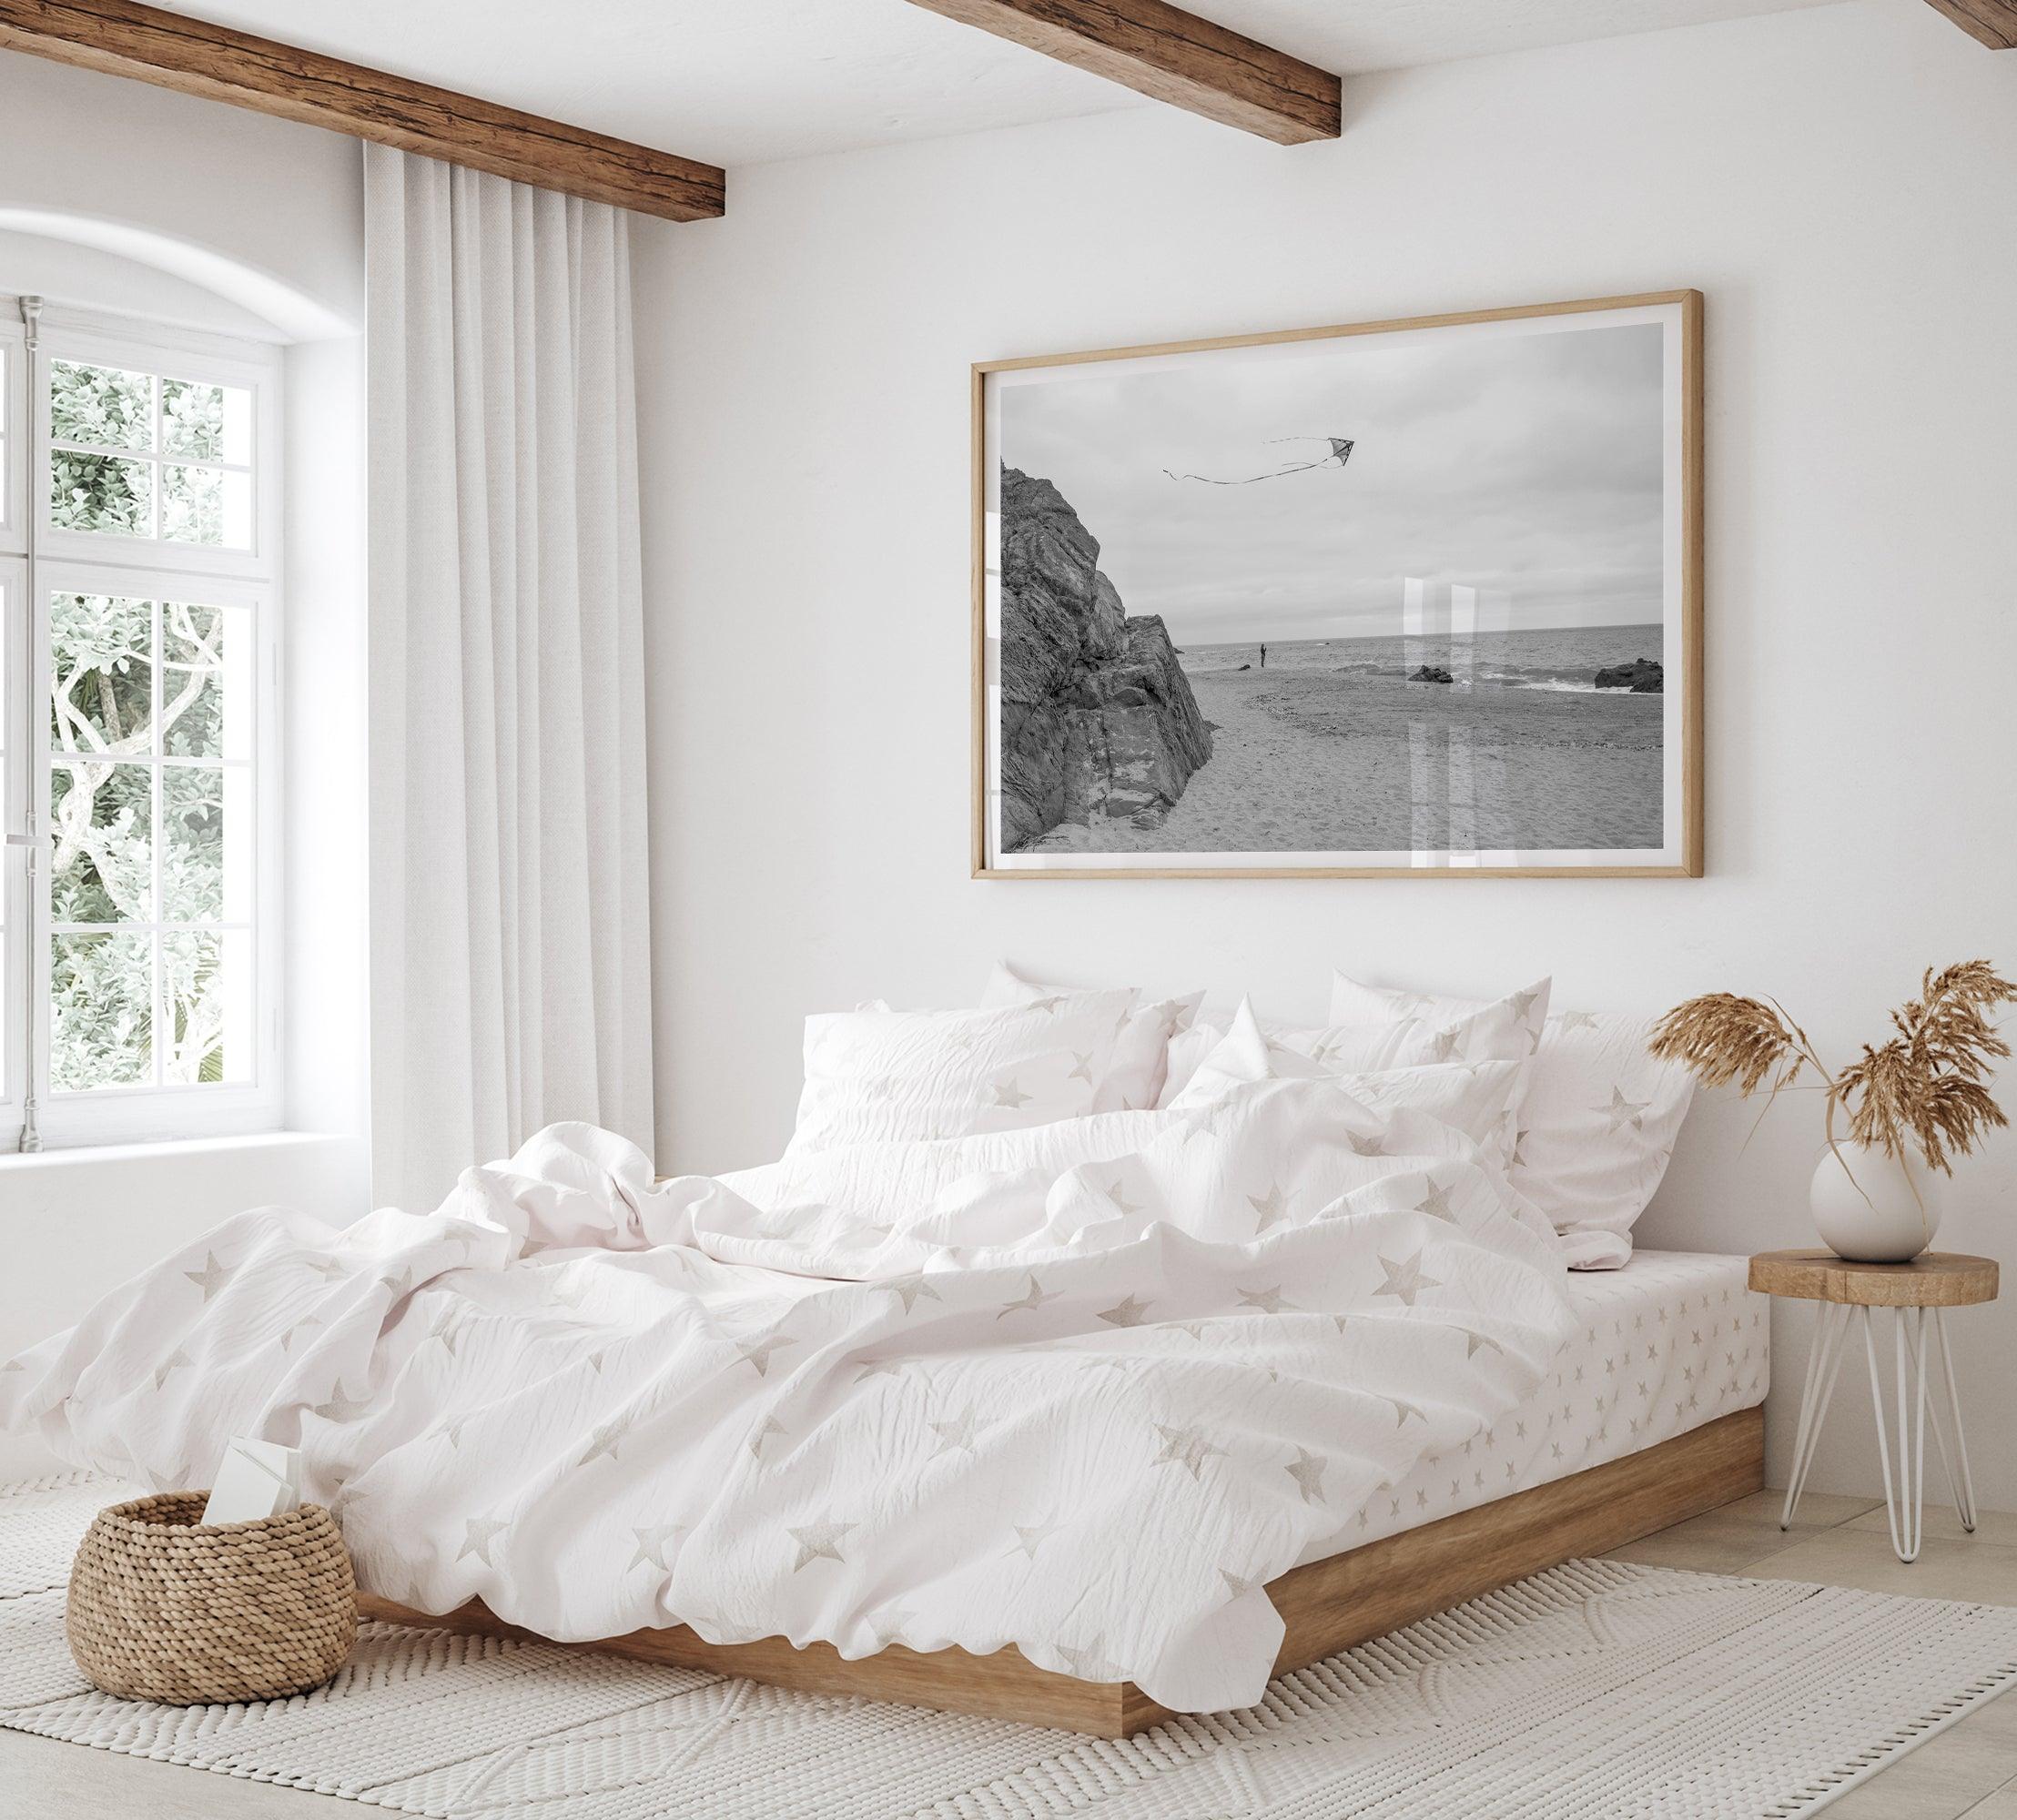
1971,1769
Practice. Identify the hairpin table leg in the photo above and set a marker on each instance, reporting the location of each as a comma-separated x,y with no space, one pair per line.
1824,1365
1904,1506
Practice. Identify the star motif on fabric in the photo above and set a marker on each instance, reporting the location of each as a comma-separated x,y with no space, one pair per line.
1033,1298
446,1327
1030,1537
1272,1207
1048,1005
1010,1094
1195,1328
399,1287
1365,1146
769,1426
211,1278
1575,1020
481,1532
651,1546
909,1289
1623,1112
340,1406
1443,1046
1307,1469
1523,1004
1090,1662
326,1267
1121,1201
602,1439
956,1436
1081,1067
1435,1201
1269,1301
174,1362
1126,1312
1403,1410
1238,1587
1185,1447
1405,1279
1473,1340
818,1542
884,1368
757,1352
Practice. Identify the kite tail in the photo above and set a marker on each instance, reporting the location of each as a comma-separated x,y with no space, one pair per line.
1299,468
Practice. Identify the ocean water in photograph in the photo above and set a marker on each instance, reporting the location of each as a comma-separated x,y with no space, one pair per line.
1333,748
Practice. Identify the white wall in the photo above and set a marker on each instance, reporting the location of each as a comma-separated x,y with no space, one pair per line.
117,195
1839,182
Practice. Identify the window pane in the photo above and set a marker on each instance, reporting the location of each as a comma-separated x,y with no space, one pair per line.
100,492
205,681
206,993
102,830
100,404
101,1012
206,505
208,423
101,694
194,818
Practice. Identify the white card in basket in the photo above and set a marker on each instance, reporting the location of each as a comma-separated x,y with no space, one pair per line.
258,1479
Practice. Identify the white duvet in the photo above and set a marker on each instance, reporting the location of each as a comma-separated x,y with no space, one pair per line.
1082,1389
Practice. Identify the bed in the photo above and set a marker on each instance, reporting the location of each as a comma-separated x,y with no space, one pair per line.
998,1392
1653,1414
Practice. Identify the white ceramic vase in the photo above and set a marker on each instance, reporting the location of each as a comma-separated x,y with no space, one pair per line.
1873,1208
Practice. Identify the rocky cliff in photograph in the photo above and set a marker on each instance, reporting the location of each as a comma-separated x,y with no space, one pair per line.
1098,718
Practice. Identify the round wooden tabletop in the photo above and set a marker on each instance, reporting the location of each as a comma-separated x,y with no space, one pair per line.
1933,1280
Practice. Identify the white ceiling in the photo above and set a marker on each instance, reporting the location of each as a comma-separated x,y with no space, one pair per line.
745,81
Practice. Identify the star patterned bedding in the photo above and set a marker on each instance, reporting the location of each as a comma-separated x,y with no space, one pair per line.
1082,1387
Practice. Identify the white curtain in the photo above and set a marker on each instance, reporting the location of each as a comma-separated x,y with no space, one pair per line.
510,965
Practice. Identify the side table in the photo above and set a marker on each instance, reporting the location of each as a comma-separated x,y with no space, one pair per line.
1927,1286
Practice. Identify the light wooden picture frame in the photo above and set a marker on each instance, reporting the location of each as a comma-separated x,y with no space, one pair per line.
1418,598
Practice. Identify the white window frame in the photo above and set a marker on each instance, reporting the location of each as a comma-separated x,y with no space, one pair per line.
80,561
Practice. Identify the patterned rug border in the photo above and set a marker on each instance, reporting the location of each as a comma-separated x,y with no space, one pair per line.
1041,1782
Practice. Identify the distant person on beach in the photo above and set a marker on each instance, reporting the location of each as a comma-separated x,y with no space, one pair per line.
1264,657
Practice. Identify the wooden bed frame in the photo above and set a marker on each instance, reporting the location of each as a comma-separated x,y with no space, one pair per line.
1327,1605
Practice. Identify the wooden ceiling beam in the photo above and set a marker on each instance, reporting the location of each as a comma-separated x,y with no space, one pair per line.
1168,54
1990,21
121,37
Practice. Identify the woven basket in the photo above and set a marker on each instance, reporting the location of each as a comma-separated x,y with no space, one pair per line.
164,1607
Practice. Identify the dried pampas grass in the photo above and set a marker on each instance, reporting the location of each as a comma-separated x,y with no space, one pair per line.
1925,1086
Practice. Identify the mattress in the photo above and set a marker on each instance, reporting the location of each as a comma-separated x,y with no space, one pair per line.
1672,1340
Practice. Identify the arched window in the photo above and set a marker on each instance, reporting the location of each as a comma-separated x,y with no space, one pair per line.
139,567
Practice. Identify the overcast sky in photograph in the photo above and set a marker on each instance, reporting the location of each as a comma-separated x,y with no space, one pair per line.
1524,464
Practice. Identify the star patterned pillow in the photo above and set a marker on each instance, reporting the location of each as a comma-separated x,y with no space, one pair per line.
883,1077
1596,1128
1140,1059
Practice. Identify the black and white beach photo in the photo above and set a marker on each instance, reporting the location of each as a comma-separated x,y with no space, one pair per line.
1414,598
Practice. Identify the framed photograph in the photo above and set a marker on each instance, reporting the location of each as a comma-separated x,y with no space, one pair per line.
1385,600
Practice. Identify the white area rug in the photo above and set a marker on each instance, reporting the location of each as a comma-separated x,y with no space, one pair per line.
1600,1691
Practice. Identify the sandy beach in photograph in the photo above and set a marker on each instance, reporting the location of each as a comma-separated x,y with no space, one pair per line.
1341,759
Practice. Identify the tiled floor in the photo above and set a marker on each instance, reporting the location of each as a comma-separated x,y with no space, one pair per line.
1970,1769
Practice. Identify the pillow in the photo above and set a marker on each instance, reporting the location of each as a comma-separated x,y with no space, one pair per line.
1596,1128
1134,1075
876,1076
1501,1030
1479,1098
1188,1049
